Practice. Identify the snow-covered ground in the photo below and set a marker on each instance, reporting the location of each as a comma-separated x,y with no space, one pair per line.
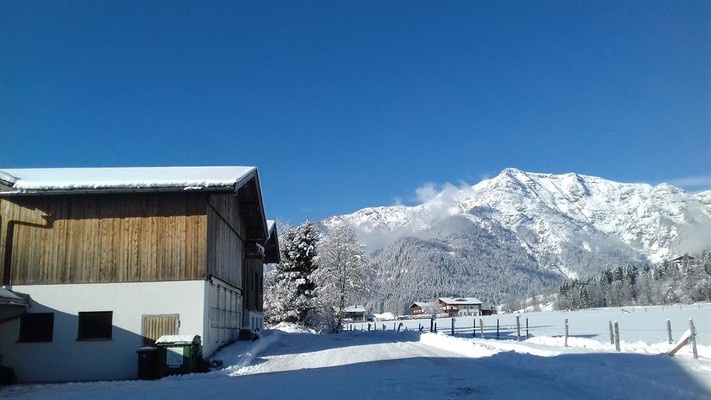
636,324
293,363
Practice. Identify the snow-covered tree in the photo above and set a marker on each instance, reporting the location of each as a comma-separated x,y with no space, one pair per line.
291,290
272,296
342,275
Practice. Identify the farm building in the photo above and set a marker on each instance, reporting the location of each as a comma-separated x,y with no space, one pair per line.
460,306
355,313
421,308
109,259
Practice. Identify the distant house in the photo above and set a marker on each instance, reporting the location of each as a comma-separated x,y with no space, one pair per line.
355,313
103,261
422,308
460,306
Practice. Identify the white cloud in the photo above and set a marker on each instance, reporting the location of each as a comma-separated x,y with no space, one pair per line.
426,192
450,193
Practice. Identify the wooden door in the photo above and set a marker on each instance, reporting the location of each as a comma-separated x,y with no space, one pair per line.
155,326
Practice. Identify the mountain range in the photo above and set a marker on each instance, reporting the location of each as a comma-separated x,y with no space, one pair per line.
520,233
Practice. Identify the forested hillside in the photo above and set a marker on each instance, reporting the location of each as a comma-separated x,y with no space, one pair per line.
686,279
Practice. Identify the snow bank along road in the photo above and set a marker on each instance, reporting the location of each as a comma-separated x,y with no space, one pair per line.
289,363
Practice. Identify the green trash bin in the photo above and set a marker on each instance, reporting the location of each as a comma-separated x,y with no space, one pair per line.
180,354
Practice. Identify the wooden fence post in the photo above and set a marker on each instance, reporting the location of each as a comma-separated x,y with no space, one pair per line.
518,328
617,336
527,336
566,332
612,334
474,327
669,335
432,324
481,327
453,326
692,338
497,328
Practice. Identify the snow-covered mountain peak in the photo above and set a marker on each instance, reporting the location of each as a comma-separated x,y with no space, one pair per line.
703,197
561,220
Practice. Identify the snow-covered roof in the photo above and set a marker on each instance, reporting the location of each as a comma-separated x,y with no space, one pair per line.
11,305
53,180
460,300
9,297
178,339
422,304
354,309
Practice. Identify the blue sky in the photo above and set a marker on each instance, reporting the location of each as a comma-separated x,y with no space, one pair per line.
349,104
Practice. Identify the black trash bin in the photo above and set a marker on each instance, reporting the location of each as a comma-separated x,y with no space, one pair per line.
148,363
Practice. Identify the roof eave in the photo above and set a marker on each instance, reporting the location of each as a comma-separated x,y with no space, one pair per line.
114,190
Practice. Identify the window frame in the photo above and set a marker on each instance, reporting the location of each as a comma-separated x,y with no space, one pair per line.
91,327
24,335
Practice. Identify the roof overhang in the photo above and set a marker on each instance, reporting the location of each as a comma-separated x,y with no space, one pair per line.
45,181
12,305
272,255
252,209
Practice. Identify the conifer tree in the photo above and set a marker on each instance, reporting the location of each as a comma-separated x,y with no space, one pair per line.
293,290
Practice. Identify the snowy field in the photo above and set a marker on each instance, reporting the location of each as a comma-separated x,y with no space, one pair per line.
636,324
292,363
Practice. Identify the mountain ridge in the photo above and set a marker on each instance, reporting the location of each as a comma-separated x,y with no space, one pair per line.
550,226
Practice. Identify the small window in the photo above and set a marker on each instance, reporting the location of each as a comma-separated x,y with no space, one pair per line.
36,327
95,325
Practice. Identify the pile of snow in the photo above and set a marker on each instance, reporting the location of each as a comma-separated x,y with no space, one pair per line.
289,327
387,316
547,346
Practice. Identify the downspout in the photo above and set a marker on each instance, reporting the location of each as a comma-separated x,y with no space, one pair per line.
7,229
7,182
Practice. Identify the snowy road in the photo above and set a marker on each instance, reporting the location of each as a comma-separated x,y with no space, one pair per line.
293,364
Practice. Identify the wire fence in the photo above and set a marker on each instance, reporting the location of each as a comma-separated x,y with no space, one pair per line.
651,325
452,326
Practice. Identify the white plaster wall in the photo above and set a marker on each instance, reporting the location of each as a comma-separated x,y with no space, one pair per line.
66,359
255,321
225,302
469,310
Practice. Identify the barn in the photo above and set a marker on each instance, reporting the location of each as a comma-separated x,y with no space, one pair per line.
102,261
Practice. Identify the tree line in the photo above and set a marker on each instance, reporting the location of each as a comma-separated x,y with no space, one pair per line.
320,274
686,279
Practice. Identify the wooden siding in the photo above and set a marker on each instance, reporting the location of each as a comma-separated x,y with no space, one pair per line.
225,240
254,272
103,238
